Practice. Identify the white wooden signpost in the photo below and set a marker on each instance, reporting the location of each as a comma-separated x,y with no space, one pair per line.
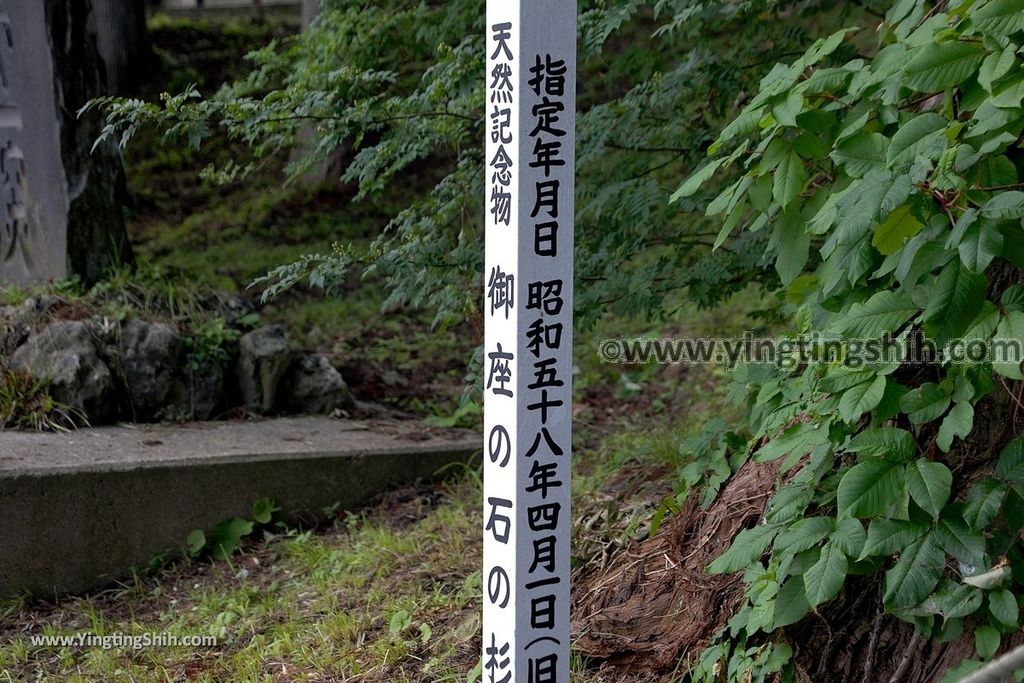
528,281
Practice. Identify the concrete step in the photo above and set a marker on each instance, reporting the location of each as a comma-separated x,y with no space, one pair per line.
79,510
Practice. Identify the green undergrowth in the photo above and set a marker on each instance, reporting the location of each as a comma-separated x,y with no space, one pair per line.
391,593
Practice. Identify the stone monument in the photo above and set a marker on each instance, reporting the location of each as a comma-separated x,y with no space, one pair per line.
60,213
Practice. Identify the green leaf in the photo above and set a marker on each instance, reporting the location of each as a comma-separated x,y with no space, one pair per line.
960,601
888,536
892,234
861,398
884,312
996,65
803,535
1000,17
868,489
930,484
400,621
958,423
861,153
696,180
1004,206
986,641
890,443
1010,466
938,66
849,537
917,136
957,540
263,510
916,573
1003,607
789,179
983,502
196,541
791,603
824,579
748,545
796,440
981,243
1007,344
786,109
956,298
224,538
792,245
926,403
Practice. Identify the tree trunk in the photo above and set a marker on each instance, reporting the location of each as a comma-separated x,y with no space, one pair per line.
123,43
96,235
310,8
330,168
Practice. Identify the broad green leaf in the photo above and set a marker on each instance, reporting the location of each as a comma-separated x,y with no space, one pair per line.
786,109
798,439
891,443
892,233
1008,344
957,540
789,179
929,484
791,603
926,403
861,153
861,398
986,641
999,17
902,187
849,536
869,488
884,312
1010,466
955,300
741,126
1013,298
942,65
803,535
981,243
1003,607
989,579
824,579
1004,206
889,536
996,65
792,244
917,136
957,424
746,547
696,180
960,601
916,573
983,502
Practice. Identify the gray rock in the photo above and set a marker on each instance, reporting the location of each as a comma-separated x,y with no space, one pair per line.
13,332
151,355
313,385
206,390
263,359
65,353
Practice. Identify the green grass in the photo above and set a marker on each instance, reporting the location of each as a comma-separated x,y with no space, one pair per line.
390,593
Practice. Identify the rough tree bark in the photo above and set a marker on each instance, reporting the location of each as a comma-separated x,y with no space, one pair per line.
97,239
123,43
